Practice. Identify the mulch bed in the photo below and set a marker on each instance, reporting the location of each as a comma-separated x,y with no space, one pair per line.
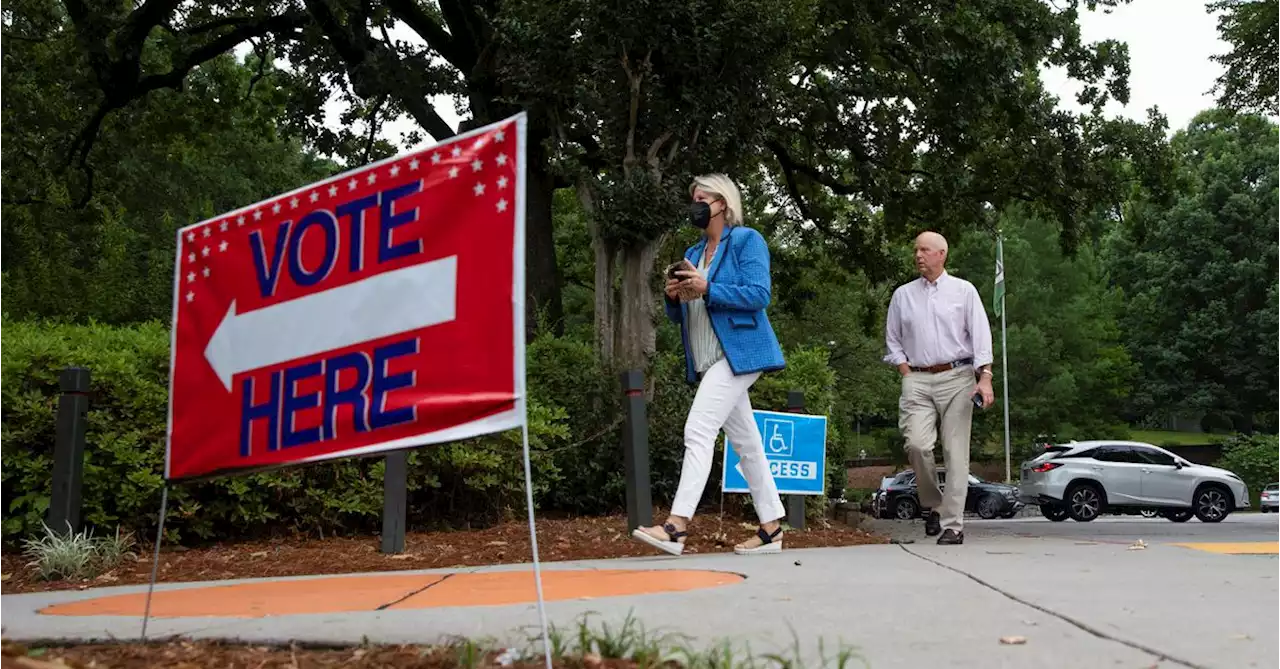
192,654
558,540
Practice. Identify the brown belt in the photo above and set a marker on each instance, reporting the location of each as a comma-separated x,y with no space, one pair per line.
944,367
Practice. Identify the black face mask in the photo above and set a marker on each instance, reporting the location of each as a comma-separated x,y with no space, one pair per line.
700,214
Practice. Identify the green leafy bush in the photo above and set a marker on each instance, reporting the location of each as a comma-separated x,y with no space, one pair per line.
575,432
477,480
1255,459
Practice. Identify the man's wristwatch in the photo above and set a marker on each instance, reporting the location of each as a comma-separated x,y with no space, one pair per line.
987,372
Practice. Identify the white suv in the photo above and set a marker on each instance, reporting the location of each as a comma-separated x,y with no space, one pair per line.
1088,478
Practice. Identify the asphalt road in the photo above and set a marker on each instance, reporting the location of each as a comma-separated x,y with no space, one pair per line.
1240,527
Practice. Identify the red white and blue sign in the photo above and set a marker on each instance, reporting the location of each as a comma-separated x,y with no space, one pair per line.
376,310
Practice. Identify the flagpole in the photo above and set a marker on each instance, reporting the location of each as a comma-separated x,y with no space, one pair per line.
1004,369
1004,358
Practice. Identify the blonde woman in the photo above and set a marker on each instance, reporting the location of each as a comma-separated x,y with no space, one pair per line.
718,296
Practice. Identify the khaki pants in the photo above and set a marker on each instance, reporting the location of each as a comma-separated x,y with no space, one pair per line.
925,399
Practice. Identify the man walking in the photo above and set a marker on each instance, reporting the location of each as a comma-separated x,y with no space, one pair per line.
938,336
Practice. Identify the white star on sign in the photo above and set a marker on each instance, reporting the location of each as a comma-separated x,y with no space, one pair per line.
395,170
351,185
373,176
205,251
499,136
275,208
191,276
435,159
453,172
205,271
206,232
257,215
502,205
223,227
293,202
223,246
479,189
502,182
240,221
333,191
191,257
476,165
457,151
413,164
191,236
502,159
190,295
314,196
479,143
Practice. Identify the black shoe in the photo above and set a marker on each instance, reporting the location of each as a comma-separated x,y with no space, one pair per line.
932,524
951,538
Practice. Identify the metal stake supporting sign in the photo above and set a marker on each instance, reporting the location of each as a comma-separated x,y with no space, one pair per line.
795,503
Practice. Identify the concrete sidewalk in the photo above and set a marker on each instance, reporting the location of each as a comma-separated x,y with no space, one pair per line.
1079,604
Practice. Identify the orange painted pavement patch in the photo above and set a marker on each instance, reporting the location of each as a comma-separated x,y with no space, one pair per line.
371,592
498,588
254,600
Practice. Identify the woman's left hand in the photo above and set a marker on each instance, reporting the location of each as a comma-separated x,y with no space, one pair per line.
692,283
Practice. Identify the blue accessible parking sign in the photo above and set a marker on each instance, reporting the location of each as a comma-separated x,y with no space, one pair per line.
795,445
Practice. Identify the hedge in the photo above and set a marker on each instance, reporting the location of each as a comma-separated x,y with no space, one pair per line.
575,432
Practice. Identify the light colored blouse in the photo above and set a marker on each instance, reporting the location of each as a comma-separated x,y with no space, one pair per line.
703,342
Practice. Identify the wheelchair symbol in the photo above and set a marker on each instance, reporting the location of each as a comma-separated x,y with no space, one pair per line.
779,438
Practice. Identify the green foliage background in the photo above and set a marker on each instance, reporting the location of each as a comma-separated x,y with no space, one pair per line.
1141,270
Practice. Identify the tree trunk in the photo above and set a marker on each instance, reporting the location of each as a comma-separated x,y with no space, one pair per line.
542,273
605,302
634,337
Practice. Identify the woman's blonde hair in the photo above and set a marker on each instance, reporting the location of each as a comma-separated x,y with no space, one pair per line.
721,186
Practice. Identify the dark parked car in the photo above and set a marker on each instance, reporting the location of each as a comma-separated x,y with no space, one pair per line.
897,497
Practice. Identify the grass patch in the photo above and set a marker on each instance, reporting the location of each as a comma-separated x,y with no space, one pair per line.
77,555
1162,437
632,642
579,646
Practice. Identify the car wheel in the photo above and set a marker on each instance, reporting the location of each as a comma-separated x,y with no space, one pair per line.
1179,516
1008,514
1150,513
989,507
1053,512
1211,504
905,508
1084,502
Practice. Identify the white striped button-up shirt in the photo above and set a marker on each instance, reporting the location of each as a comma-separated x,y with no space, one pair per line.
936,322
703,342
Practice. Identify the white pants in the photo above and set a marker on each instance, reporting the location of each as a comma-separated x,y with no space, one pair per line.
722,401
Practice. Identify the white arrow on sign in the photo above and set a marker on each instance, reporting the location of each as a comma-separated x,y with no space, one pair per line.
386,304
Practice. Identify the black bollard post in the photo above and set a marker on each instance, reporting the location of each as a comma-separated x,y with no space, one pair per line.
795,503
635,451
68,450
395,501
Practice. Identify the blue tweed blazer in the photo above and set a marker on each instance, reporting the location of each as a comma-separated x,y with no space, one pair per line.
738,290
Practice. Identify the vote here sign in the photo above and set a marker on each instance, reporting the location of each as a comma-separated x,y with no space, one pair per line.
376,310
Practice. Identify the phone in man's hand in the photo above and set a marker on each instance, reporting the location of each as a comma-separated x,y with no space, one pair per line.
977,400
